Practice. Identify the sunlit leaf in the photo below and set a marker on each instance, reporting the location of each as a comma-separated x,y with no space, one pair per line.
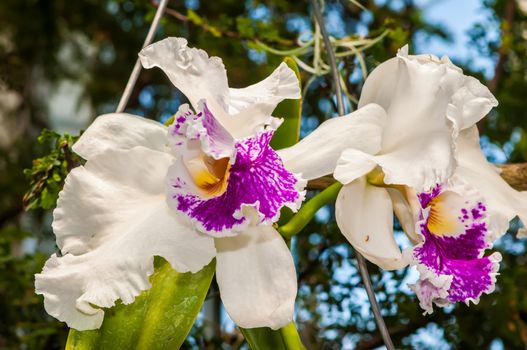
160,318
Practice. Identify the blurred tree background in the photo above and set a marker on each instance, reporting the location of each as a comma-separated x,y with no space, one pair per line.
64,62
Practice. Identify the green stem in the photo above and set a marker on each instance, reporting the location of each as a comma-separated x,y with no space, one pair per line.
291,337
286,338
308,210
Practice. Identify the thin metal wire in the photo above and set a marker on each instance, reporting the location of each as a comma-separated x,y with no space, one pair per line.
137,67
331,56
363,267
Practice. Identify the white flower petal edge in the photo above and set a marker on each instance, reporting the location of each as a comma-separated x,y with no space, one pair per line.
427,101
111,220
365,216
405,212
504,203
317,154
281,84
120,131
256,276
191,70
200,77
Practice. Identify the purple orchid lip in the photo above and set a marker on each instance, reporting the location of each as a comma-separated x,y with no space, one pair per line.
218,179
451,261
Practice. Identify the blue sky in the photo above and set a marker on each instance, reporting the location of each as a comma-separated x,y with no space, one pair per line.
458,16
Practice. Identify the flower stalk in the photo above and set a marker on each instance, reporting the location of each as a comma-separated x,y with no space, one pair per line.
308,210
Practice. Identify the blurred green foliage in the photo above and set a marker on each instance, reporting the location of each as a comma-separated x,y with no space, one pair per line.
95,43
46,177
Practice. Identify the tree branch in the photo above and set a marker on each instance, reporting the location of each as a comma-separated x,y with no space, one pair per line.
514,174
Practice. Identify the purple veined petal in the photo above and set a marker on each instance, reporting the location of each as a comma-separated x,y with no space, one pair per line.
214,140
451,260
256,179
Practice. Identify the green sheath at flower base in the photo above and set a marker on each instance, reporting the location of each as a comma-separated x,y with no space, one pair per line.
159,318
286,338
308,210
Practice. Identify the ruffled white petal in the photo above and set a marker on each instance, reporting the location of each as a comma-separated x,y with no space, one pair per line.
111,220
191,70
471,102
251,107
431,288
504,203
364,215
420,162
280,85
428,101
256,277
120,131
243,112
317,154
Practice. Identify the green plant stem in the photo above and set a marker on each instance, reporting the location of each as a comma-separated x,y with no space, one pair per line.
291,337
308,210
286,338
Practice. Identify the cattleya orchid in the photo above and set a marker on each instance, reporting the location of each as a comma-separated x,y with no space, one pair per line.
209,185
451,202
426,165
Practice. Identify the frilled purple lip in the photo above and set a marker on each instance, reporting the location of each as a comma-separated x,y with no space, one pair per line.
256,179
452,266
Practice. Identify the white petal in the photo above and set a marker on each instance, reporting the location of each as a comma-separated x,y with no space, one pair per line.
251,107
353,164
471,102
421,162
317,154
257,279
404,212
504,203
364,215
280,85
120,131
427,101
191,70
417,88
111,220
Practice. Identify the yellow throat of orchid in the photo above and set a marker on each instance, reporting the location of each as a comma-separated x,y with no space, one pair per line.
209,175
443,216
444,209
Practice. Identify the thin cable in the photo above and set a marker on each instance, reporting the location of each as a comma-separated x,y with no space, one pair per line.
137,67
363,268
331,56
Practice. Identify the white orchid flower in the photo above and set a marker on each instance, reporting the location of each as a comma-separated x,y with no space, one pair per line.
207,186
429,148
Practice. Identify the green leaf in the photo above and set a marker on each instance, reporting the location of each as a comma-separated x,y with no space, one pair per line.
47,174
160,318
291,110
285,338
